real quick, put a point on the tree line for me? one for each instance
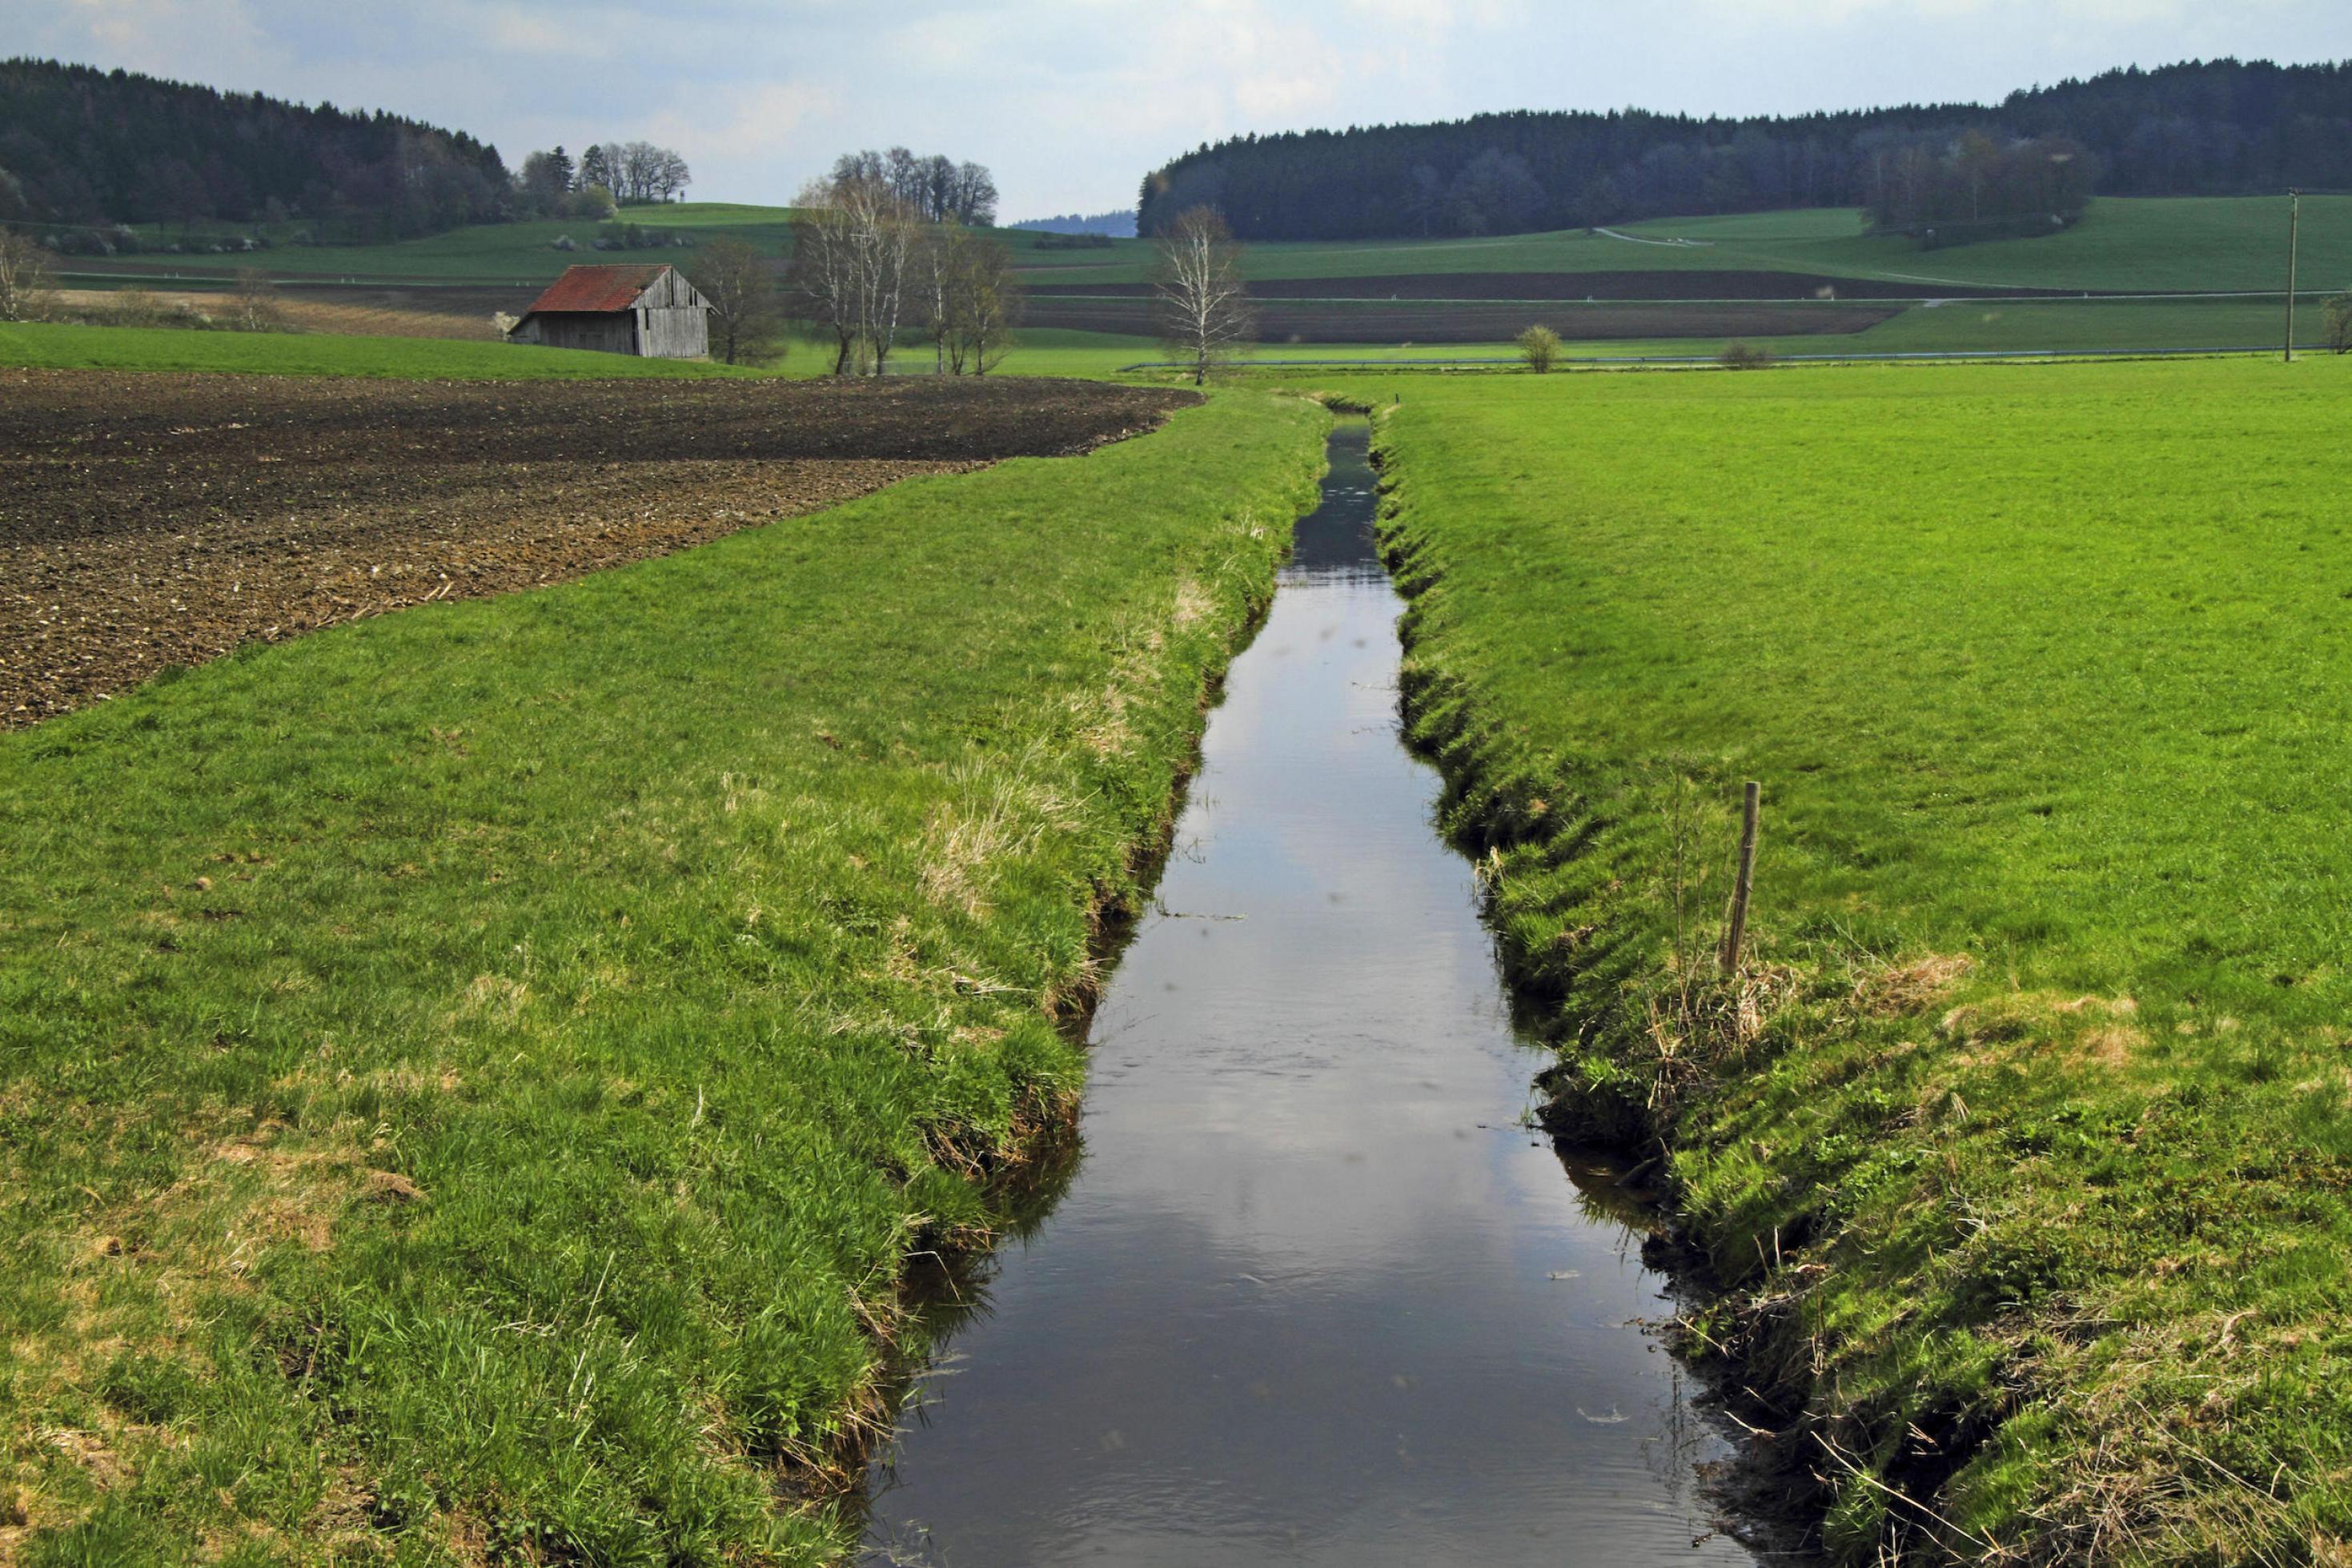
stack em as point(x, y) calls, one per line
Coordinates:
point(2217, 128)
point(608, 175)
point(880, 254)
point(82, 149)
point(85, 152)
point(1119, 225)
point(1976, 187)
point(936, 189)
point(875, 257)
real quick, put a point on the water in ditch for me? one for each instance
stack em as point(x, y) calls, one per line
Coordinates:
point(1313, 1294)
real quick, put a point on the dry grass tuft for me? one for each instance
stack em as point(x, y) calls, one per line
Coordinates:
point(1192, 602)
point(2112, 1045)
point(1000, 816)
point(2118, 1007)
point(1910, 988)
point(391, 1187)
point(495, 996)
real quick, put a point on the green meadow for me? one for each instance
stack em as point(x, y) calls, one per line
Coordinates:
point(64, 346)
point(2122, 244)
point(2021, 1144)
point(2215, 245)
point(1037, 352)
point(470, 1081)
point(519, 253)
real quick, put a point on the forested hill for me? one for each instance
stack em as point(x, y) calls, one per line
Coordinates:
point(2219, 127)
point(1118, 225)
point(81, 146)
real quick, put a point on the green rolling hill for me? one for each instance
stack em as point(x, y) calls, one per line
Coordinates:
point(1621, 289)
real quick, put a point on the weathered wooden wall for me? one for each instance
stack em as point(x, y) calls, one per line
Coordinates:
point(675, 323)
point(675, 335)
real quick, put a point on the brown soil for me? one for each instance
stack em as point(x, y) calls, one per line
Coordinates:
point(153, 521)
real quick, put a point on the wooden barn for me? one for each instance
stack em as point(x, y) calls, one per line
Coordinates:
point(645, 310)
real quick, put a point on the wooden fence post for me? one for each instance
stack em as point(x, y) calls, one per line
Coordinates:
point(1736, 922)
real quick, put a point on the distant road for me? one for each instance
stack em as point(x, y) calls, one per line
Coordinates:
point(1645, 239)
point(1891, 356)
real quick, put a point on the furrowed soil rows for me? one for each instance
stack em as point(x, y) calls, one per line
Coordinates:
point(148, 521)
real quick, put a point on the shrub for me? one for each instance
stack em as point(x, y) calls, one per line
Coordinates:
point(2339, 323)
point(1539, 347)
point(1745, 357)
point(256, 303)
point(594, 202)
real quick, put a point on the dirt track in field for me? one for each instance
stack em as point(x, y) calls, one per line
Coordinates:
point(154, 521)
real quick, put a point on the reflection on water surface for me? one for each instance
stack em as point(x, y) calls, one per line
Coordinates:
point(1314, 1295)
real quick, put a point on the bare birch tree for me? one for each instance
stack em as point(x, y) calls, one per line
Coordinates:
point(990, 305)
point(1205, 309)
point(854, 246)
point(819, 279)
point(940, 266)
point(969, 298)
point(24, 278)
point(882, 231)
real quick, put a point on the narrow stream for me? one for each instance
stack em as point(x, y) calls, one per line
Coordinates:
point(1314, 1295)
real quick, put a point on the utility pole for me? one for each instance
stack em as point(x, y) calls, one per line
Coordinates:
point(2294, 237)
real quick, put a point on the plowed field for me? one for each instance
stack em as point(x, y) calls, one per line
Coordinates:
point(155, 521)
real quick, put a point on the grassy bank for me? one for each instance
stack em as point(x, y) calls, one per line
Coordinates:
point(2021, 1142)
point(469, 1080)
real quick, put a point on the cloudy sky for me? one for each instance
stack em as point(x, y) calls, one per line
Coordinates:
point(1071, 101)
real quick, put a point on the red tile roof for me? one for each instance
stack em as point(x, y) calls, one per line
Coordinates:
point(598, 291)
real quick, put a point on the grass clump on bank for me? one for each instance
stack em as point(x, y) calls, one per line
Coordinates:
point(2021, 1144)
point(469, 1080)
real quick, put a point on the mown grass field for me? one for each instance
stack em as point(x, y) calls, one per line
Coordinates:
point(470, 1080)
point(2022, 1142)
point(2123, 243)
point(59, 346)
point(1974, 326)
point(1037, 352)
point(519, 253)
